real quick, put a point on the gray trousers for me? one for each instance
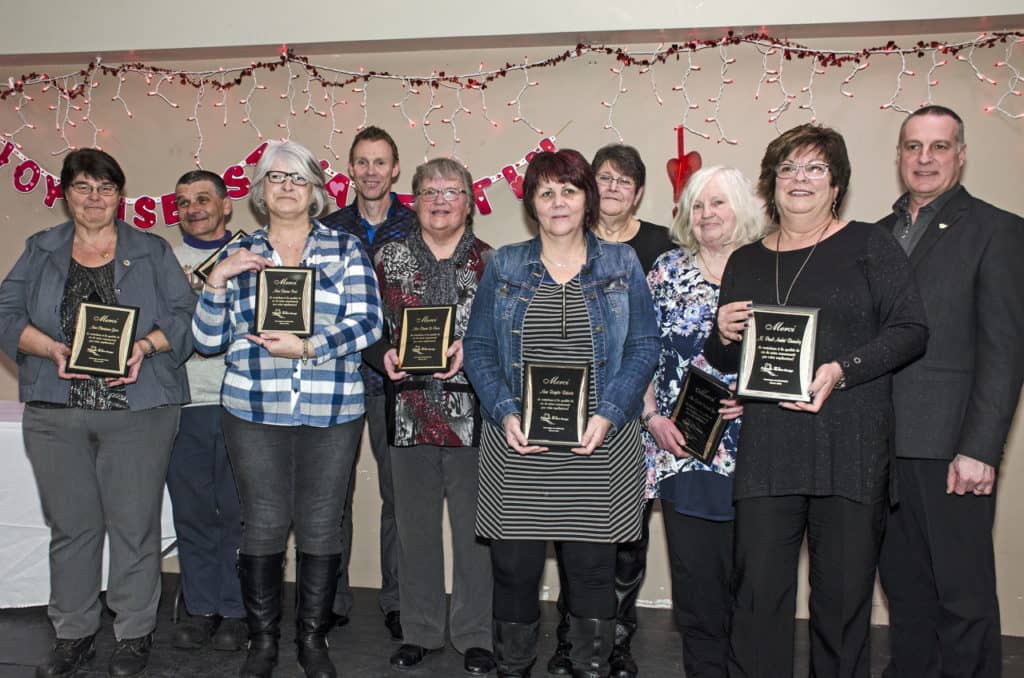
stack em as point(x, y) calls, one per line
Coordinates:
point(376, 425)
point(424, 476)
point(101, 474)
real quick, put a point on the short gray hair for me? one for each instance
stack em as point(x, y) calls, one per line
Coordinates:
point(750, 222)
point(297, 158)
point(446, 168)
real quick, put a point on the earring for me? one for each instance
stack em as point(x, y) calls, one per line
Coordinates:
point(835, 214)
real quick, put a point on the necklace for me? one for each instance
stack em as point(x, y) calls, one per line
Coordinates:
point(104, 253)
point(558, 264)
point(710, 274)
point(778, 245)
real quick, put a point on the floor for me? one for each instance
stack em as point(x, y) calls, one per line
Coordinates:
point(361, 649)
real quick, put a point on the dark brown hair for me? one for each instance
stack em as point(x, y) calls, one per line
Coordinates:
point(565, 166)
point(94, 163)
point(625, 159)
point(826, 141)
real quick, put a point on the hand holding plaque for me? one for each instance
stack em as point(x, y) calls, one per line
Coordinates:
point(427, 334)
point(777, 355)
point(555, 403)
point(696, 413)
point(104, 335)
point(284, 300)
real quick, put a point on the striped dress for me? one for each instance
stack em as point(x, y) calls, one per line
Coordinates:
point(558, 495)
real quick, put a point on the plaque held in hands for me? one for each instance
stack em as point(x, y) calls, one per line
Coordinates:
point(284, 300)
point(203, 270)
point(777, 355)
point(104, 335)
point(696, 413)
point(426, 337)
point(555, 403)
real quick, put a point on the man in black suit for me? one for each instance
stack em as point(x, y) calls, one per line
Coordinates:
point(954, 407)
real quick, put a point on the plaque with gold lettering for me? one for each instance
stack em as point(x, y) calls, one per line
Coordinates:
point(555, 403)
point(104, 335)
point(696, 413)
point(203, 269)
point(425, 339)
point(777, 354)
point(284, 300)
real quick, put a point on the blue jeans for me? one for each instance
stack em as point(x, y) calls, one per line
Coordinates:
point(291, 475)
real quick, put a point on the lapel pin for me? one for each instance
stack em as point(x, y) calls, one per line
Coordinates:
point(943, 227)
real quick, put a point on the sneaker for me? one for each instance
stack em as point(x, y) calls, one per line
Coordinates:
point(130, 657)
point(194, 631)
point(231, 635)
point(67, 655)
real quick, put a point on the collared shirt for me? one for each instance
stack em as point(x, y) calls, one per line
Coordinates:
point(327, 390)
point(399, 221)
point(908, 231)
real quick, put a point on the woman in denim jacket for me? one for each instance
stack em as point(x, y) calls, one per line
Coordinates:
point(568, 298)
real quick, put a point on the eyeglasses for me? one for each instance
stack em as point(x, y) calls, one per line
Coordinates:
point(448, 194)
point(609, 180)
point(279, 178)
point(85, 188)
point(812, 170)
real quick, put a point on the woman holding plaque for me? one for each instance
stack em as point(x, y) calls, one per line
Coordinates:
point(820, 466)
point(717, 214)
point(292, 396)
point(99, 446)
point(428, 281)
point(571, 316)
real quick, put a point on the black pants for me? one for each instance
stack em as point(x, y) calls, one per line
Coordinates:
point(843, 540)
point(700, 557)
point(519, 564)
point(938, 570)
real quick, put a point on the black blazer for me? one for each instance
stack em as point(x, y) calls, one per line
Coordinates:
point(960, 396)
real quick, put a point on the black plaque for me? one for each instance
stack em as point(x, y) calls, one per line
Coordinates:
point(284, 300)
point(104, 336)
point(696, 413)
point(426, 337)
point(203, 269)
point(777, 357)
point(555, 403)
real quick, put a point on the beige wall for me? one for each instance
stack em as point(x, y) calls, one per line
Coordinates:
point(157, 144)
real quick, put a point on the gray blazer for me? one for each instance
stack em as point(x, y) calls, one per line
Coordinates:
point(146, 275)
point(960, 396)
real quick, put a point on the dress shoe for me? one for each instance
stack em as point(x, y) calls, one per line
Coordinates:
point(130, 657)
point(560, 664)
point(66, 656)
point(339, 620)
point(408, 656)
point(194, 631)
point(622, 663)
point(231, 635)
point(393, 620)
point(479, 662)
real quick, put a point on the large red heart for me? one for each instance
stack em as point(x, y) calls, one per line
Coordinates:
point(680, 170)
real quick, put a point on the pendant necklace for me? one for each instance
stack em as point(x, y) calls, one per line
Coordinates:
point(778, 245)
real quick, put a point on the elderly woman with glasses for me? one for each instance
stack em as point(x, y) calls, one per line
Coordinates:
point(434, 424)
point(99, 446)
point(293, 406)
point(818, 467)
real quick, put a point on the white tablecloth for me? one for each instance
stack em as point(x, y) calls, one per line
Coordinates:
point(24, 536)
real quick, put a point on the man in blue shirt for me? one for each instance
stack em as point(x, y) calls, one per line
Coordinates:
point(376, 217)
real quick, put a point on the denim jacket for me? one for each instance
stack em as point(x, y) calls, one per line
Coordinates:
point(622, 324)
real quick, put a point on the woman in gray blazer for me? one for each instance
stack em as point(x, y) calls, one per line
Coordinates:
point(99, 446)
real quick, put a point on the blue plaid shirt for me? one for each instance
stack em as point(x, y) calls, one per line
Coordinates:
point(327, 390)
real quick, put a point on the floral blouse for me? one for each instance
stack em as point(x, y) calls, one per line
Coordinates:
point(685, 304)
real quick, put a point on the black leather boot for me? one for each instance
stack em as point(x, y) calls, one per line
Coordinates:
point(560, 664)
point(261, 592)
point(515, 648)
point(316, 583)
point(592, 642)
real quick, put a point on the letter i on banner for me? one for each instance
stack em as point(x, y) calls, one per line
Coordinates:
point(483, 205)
point(337, 188)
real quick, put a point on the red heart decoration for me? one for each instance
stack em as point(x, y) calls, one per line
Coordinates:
point(680, 170)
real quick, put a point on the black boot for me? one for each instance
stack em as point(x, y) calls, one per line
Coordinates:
point(261, 592)
point(592, 642)
point(515, 648)
point(622, 663)
point(316, 582)
point(560, 664)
